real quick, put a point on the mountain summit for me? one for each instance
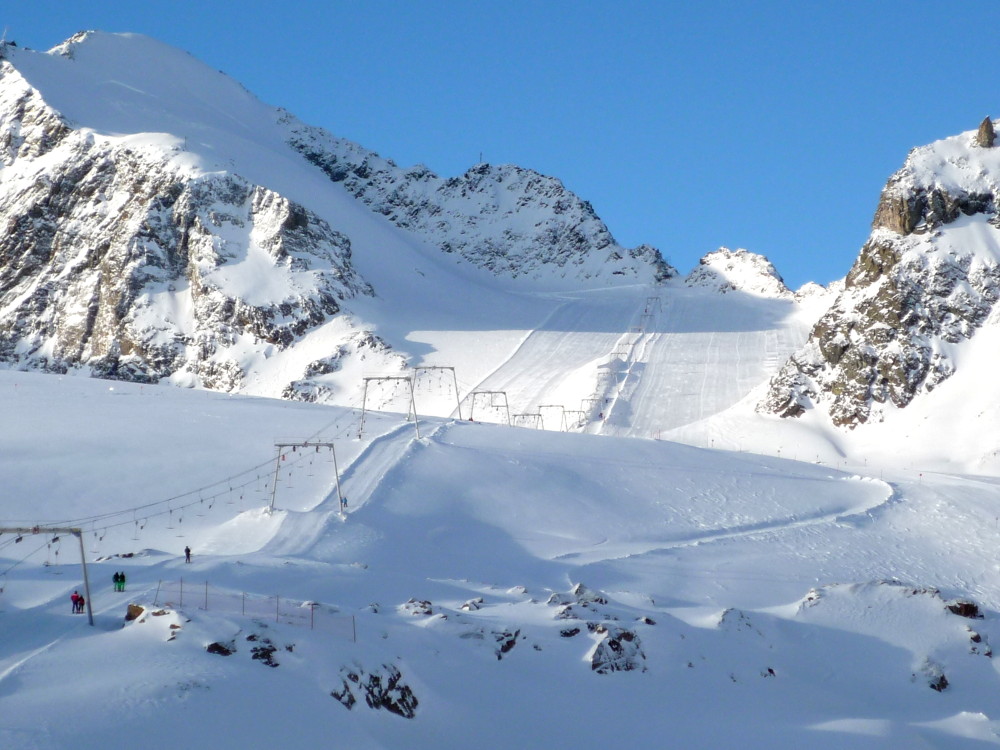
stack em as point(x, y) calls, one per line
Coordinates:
point(161, 223)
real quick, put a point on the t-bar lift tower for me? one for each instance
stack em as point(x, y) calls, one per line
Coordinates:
point(281, 447)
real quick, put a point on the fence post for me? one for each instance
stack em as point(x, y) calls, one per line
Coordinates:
point(156, 596)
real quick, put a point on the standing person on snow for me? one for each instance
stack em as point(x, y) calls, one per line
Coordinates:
point(121, 581)
point(75, 598)
point(115, 579)
point(187, 554)
point(79, 605)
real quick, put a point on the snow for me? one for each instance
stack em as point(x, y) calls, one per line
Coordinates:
point(784, 583)
point(720, 549)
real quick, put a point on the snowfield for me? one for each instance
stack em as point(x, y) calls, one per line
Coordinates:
point(586, 538)
point(750, 600)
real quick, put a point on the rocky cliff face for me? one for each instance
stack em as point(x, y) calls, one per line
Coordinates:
point(512, 221)
point(113, 261)
point(925, 281)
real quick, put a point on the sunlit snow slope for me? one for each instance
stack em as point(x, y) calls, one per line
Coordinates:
point(482, 572)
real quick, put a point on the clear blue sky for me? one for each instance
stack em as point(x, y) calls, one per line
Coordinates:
point(688, 125)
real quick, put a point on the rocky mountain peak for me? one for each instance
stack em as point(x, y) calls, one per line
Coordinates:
point(512, 221)
point(926, 279)
point(728, 270)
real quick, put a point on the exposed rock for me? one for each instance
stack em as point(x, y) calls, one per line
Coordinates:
point(736, 620)
point(728, 270)
point(473, 604)
point(912, 292)
point(108, 238)
point(587, 596)
point(417, 607)
point(121, 260)
point(382, 688)
point(566, 613)
point(506, 640)
point(511, 221)
point(134, 612)
point(222, 649)
point(940, 683)
point(986, 136)
point(619, 651)
point(264, 653)
point(569, 632)
point(965, 608)
point(934, 675)
point(979, 644)
point(345, 695)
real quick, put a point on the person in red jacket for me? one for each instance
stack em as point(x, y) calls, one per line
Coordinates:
point(75, 598)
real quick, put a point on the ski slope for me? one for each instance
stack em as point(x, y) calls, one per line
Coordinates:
point(775, 603)
point(649, 358)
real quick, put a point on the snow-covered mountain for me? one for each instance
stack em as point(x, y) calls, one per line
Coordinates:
point(716, 576)
point(925, 283)
point(160, 223)
point(740, 270)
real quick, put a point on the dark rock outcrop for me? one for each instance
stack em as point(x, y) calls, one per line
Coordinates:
point(108, 243)
point(986, 136)
point(965, 608)
point(222, 649)
point(134, 612)
point(382, 688)
point(511, 221)
point(619, 651)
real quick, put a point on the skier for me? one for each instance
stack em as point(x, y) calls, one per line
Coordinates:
point(121, 581)
point(75, 598)
point(79, 605)
point(187, 554)
point(116, 580)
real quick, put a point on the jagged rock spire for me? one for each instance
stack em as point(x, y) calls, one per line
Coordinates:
point(986, 135)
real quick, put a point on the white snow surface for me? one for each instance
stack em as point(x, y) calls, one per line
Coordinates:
point(783, 584)
point(774, 602)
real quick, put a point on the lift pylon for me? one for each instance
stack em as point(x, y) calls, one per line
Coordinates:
point(78, 533)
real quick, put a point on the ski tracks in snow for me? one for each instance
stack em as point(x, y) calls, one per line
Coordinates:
point(854, 517)
point(300, 530)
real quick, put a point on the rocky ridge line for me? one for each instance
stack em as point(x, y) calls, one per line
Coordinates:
point(919, 286)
